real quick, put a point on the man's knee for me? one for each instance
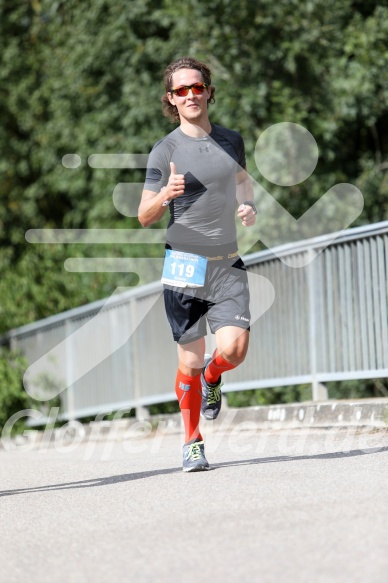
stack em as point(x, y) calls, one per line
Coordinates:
point(190, 356)
point(235, 356)
point(236, 350)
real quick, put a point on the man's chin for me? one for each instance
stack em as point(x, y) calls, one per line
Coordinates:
point(194, 109)
point(194, 114)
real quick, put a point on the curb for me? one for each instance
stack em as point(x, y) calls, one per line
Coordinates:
point(360, 412)
point(371, 413)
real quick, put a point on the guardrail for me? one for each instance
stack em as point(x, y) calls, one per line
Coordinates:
point(328, 321)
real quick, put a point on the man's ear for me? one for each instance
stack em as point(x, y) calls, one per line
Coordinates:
point(170, 97)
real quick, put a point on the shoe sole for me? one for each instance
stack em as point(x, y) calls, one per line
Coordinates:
point(209, 418)
point(202, 469)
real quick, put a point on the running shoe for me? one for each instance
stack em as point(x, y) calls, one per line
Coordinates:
point(194, 457)
point(211, 394)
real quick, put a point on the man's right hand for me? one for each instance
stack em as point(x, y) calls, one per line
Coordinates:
point(150, 209)
point(176, 183)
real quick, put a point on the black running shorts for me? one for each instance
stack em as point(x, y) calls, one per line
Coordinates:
point(223, 301)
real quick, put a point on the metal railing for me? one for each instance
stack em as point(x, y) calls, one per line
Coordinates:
point(328, 321)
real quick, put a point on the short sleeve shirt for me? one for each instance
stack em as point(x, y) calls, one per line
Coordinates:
point(205, 214)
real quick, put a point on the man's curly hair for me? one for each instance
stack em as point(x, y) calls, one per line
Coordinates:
point(170, 110)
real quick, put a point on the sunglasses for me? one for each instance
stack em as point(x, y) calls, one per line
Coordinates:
point(197, 89)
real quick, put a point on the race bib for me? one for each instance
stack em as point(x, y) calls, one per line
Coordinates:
point(182, 269)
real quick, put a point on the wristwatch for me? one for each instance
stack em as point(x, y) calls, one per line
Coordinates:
point(252, 205)
point(167, 201)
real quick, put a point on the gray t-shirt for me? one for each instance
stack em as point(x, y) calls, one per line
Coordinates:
point(204, 215)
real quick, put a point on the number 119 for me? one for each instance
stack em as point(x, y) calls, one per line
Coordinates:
point(188, 270)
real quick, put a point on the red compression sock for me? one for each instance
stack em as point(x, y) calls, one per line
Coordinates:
point(216, 367)
point(189, 393)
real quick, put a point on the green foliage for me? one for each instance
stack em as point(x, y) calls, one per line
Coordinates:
point(356, 389)
point(273, 396)
point(164, 408)
point(13, 398)
point(86, 77)
point(35, 286)
point(372, 388)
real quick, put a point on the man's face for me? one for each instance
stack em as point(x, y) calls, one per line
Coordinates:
point(192, 107)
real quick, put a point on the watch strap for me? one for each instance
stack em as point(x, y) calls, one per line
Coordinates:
point(252, 205)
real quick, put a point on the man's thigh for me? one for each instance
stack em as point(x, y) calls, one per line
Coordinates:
point(185, 314)
point(230, 305)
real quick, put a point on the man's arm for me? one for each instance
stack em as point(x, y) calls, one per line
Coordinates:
point(151, 208)
point(153, 204)
point(244, 193)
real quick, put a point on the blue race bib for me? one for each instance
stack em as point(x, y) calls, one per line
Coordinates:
point(182, 269)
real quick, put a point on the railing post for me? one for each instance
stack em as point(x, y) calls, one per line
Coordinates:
point(69, 360)
point(141, 411)
point(319, 391)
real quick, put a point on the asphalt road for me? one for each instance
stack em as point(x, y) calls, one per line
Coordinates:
point(278, 506)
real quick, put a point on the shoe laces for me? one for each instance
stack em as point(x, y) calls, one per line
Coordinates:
point(194, 451)
point(214, 395)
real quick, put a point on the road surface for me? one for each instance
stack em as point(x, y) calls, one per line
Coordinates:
point(278, 506)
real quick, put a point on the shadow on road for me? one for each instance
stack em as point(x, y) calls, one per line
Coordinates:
point(163, 472)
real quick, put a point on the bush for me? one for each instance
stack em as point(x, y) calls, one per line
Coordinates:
point(13, 397)
point(358, 389)
point(272, 396)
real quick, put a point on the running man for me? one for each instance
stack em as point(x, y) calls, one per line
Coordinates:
point(197, 172)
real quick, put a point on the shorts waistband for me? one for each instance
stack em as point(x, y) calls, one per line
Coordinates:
point(219, 252)
point(221, 257)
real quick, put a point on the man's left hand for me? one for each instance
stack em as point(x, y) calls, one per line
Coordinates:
point(247, 215)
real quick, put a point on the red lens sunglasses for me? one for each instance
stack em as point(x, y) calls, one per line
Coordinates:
point(197, 89)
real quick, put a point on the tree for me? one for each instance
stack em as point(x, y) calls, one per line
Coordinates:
point(85, 77)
